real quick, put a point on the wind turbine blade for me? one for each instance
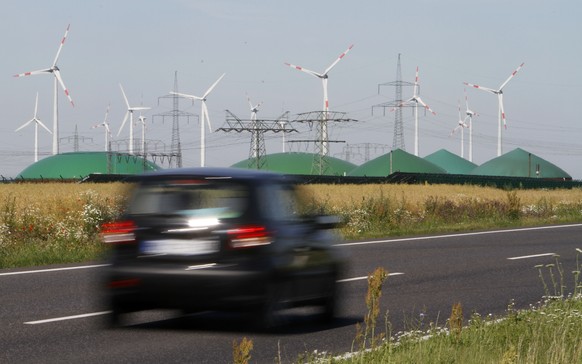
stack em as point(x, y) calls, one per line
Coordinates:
point(44, 126)
point(24, 125)
point(123, 122)
point(31, 73)
point(205, 112)
point(36, 105)
point(511, 76)
point(192, 97)
point(213, 86)
point(124, 97)
point(459, 109)
point(61, 45)
point(403, 103)
point(137, 108)
point(106, 114)
point(59, 78)
point(425, 105)
point(313, 73)
point(482, 88)
point(338, 59)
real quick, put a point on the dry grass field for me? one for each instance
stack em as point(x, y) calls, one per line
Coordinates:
point(416, 195)
point(45, 223)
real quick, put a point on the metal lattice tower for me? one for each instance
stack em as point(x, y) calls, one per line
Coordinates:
point(175, 114)
point(363, 151)
point(396, 106)
point(257, 128)
point(75, 138)
point(321, 118)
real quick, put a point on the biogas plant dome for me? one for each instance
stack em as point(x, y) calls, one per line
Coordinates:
point(78, 165)
point(299, 163)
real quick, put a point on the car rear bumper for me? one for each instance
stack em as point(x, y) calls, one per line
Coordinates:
point(207, 287)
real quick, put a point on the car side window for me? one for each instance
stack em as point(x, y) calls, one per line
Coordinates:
point(279, 202)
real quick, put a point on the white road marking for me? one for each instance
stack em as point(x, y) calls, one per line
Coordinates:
point(54, 269)
point(458, 235)
point(531, 256)
point(74, 317)
point(364, 277)
point(67, 318)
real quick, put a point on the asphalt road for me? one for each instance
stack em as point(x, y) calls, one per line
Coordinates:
point(54, 314)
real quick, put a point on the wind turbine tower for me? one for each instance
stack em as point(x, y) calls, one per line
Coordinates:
point(461, 125)
point(55, 71)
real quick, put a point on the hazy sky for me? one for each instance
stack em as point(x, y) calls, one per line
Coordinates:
point(140, 44)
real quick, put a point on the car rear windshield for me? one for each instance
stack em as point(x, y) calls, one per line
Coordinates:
point(222, 199)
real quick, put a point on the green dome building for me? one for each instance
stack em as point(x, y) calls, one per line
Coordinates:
point(521, 163)
point(78, 165)
point(395, 161)
point(299, 163)
point(450, 162)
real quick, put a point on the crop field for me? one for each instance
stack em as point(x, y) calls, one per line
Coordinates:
point(50, 223)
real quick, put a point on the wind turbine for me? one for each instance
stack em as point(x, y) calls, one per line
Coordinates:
point(129, 112)
point(461, 125)
point(415, 100)
point(37, 122)
point(105, 124)
point(499, 93)
point(54, 69)
point(255, 133)
point(203, 115)
point(323, 76)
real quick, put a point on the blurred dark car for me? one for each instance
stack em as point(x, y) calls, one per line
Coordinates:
point(220, 239)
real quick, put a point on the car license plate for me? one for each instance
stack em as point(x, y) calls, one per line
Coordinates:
point(179, 246)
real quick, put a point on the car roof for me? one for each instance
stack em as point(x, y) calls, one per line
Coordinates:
point(209, 172)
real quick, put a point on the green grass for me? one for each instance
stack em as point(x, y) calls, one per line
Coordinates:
point(548, 333)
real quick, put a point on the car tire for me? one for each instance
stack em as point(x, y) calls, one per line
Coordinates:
point(329, 303)
point(268, 315)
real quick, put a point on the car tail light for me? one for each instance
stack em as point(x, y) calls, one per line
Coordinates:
point(124, 283)
point(248, 236)
point(118, 232)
